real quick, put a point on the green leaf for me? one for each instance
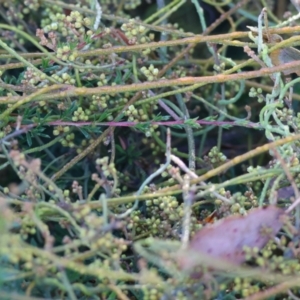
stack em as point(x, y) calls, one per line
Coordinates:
point(85, 133)
point(178, 126)
point(51, 68)
point(112, 296)
point(118, 78)
point(67, 114)
point(104, 115)
point(192, 123)
point(87, 39)
point(159, 118)
point(210, 118)
point(227, 126)
point(127, 75)
point(28, 138)
point(142, 127)
point(73, 45)
point(72, 275)
point(45, 63)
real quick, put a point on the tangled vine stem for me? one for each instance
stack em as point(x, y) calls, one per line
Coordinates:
point(175, 189)
point(196, 82)
point(72, 91)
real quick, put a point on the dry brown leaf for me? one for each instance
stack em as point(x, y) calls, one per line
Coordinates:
point(227, 238)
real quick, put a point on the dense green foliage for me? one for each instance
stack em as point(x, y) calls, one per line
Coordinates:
point(126, 127)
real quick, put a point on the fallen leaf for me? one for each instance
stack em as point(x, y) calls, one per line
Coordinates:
point(226, 238)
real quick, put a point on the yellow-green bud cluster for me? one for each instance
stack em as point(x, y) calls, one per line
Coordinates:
point(67, 24)
point(256, 93)
point(99, 102)
point(216, 157)
point(68, 140)
point(102, 80)
point(60, 130)
point(109, 170)
point(64, 78)
point(133, 30)
point(81, 115)
point(150, 72)
point(31, 77)
point(285, 115)
point(65, 53)
point(136, 34)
